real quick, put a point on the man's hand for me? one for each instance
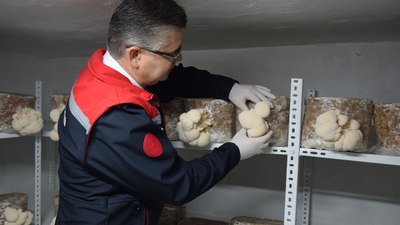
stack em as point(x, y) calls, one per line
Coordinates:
point(241, 93)
point(248, 147)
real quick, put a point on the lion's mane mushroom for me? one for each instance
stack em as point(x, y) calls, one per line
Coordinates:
point(337, 131)
point(253, 120)
point(27, 121)
point(192, 127)
point(17, 217)
point(54, 116)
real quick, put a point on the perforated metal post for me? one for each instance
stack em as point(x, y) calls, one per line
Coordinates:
point(292, 165)
point(307, 180)
point(38, 155)
point(305, 219)
point(50, 161)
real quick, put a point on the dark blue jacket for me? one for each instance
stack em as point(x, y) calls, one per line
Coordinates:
point(118, 167)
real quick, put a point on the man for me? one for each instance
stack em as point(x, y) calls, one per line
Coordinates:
point(117, 165)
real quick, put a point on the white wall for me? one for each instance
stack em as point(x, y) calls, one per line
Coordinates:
point(19, 73)
point(361, 70)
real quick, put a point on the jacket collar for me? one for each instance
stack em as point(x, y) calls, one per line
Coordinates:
point(111, 76)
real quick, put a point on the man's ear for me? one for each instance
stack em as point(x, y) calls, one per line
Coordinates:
point(133, 54)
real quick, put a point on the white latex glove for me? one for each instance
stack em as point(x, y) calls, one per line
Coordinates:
point(241, 93)
point(248, 147)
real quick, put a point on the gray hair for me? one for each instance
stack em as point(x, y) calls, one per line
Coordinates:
point(144, 23)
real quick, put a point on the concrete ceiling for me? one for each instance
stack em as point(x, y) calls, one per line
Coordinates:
point(64, 28)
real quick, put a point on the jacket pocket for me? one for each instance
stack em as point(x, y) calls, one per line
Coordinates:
point(126, 211)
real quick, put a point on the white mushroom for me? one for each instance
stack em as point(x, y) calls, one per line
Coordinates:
point(53, 221)
point(258, 130)
point(342, 119)
point(27, 121)
point(354, 125)
point(204, 139)
point(54, 135)
point(192, 127)
point(191, 135)
point(339, 144)
point(336, 131)
point(187, 124)
point(253, 120)
point(17, 217)
point(11, 214)
point(262, 109)
point(327, 128)
point(194, 115)
point(249, 119)
point(327, 117)
point(55, 114)
point(352, 139)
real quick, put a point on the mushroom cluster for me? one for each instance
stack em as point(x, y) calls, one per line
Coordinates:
point(54, 116)
point(337, 131)
point(254, 120)
point(192, 127)
point(17, 217)
point(27, 121)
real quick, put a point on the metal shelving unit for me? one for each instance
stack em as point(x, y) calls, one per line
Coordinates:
point(38, 156)
point(294, 152)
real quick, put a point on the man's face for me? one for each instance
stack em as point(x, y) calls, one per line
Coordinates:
point(156, 65)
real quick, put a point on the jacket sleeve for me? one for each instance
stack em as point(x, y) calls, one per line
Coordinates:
point(116, 154)
point(190, 82)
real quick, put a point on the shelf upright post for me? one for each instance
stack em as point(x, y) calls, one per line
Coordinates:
point(38, 156)
point(306, 206)
point(292, 165)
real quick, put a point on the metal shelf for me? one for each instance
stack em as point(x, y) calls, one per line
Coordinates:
point(276, 151)
point(7, 135)
point(351, 156)
point(272, 150)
